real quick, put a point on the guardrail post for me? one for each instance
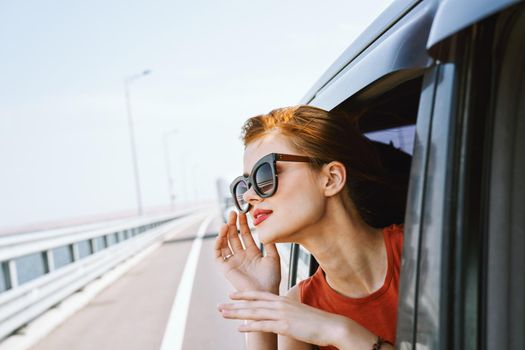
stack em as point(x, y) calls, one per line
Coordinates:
point(76, 253)
point(13, 275)
point(50, 260)
point(18, 308)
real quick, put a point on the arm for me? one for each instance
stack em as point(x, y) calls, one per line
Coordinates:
point(256, 278)
point(246, 268)
point(261, 341)
point(287, 343)
point(267, 312)
point(269, 340)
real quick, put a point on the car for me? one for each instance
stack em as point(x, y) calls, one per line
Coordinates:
point(443, 83)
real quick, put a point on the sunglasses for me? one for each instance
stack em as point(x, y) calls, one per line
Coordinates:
point(263, 178)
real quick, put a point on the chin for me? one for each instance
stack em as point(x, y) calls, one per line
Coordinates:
point(264, 236)
point(277, 229)
point(268, 235)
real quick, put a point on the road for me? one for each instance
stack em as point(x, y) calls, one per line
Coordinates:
point(133, 312)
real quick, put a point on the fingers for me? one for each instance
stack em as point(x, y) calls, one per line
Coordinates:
point(264, 313)
point(261, 326)
point(221, 244)
point(254, 295)
point(271, 250)
point(255, 314)
point(251, 310)
point(247, 305)
point(246, 233)
point(233, 236)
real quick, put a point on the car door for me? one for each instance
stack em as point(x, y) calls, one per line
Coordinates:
point(467, 291)
point(449, 77)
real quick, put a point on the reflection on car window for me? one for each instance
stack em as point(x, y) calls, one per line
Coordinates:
point(402, 137)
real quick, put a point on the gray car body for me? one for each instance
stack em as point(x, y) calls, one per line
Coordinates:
point(410, 39)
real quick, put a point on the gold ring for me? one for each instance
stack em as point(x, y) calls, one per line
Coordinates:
point(227, 257)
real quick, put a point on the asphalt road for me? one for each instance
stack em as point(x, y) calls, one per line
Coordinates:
point(133, 312)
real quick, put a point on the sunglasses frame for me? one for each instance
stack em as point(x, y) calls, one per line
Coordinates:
point(271, 159)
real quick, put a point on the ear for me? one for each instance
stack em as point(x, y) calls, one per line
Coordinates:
point(334, 178)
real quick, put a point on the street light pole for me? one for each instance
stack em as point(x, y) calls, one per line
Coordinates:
point(167, 157)
point(127, 81)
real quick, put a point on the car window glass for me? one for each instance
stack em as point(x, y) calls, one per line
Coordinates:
point(401, 137)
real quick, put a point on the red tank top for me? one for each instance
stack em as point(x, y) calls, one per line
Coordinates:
point(376, 312)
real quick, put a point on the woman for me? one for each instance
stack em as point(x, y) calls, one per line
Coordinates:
point(313, 180)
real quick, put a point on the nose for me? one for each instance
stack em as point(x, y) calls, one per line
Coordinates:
point(251, 196)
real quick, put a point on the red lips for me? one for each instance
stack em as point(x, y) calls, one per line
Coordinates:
point(259, 215)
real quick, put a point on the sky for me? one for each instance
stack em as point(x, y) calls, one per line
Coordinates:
point(64, 137)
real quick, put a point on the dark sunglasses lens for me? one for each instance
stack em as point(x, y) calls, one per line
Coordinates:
point(240, 190)
point(264, 178)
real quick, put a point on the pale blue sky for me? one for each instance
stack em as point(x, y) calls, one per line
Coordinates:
point(64, 145)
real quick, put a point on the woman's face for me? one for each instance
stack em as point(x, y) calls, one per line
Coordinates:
point(298, 202)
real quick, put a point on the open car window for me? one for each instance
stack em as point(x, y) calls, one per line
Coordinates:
point(388, 120)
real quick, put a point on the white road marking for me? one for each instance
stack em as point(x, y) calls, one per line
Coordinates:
point(174, 333)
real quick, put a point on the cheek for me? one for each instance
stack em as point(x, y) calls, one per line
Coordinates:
point(300, 193)
point(300, 197)
point(305, 209)
point(295, 207)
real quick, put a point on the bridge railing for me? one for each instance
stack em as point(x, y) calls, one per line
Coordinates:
point(40, 269)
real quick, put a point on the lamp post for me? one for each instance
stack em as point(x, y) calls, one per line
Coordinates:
point(167, 158)
point(127, 81)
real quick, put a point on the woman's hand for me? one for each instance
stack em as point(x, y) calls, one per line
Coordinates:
point(266, 312)
point(245, 267)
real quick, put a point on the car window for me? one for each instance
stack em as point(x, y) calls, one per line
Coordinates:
point(401, 138)
point(389, 122)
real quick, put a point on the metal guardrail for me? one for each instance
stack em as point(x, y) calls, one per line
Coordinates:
point(57, 263)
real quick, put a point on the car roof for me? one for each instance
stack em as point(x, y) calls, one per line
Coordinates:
point(372, 33)
point(438, 20)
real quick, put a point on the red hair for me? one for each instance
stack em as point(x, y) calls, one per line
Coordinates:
point(334, 136)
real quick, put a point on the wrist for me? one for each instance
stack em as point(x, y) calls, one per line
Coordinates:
point(351, 335)
point(261, 289)
point(270, 289)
